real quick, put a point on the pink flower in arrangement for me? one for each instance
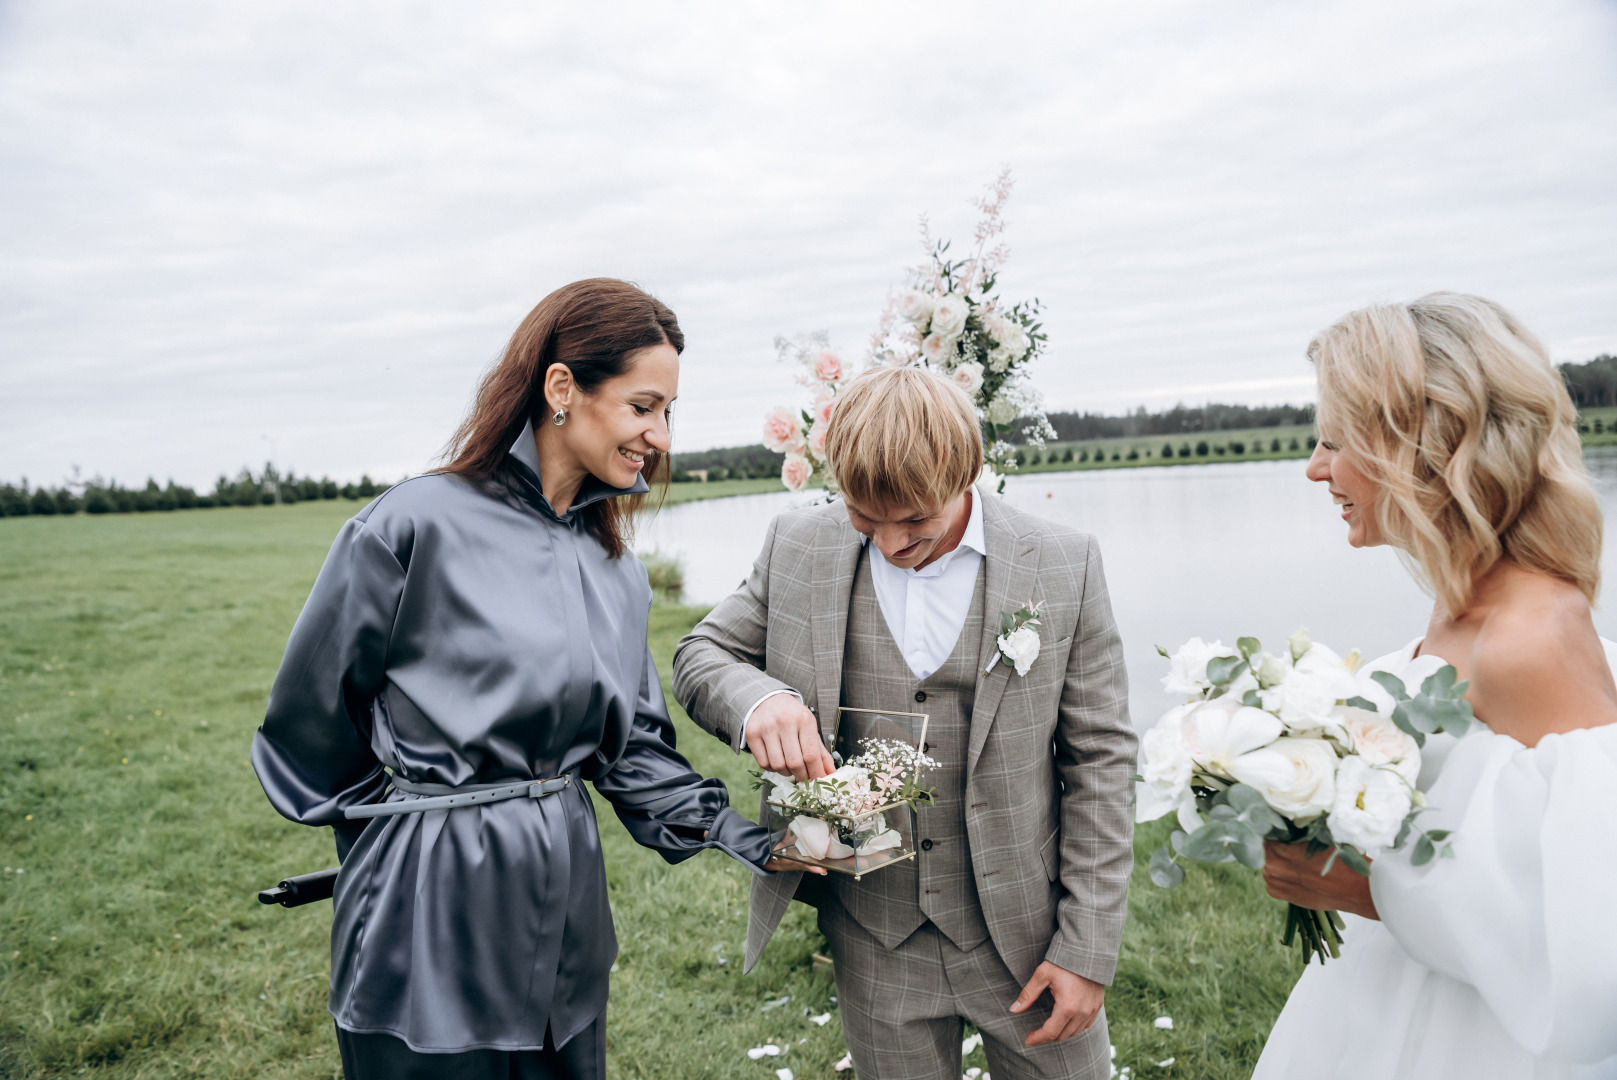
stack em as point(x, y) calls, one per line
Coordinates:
point(824, 406)
point(796, 472)
point(816, 439)
point(828, 367)
point(782, 431)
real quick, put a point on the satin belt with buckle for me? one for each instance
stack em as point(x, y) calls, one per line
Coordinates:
point(445, 797)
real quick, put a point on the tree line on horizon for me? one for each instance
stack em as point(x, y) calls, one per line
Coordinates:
point(1591, 384)
point(98, 496)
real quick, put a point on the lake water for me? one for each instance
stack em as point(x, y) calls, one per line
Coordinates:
point(1216, 551)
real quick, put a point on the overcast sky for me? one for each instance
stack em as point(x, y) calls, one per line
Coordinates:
point(232, 231)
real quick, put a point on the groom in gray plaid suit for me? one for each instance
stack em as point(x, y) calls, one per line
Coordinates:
point(1011, 914)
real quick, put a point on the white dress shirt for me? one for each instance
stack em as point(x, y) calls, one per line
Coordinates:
point(925, 609)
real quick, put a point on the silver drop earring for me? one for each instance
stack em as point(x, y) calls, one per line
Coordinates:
point(560, 418)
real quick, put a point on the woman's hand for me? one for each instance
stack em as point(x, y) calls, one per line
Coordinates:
point(1291, 875)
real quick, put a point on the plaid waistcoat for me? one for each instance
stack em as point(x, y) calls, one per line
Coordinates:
point(938, 884)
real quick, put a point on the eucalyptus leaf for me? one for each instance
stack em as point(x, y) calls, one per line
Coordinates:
point(1354, 858)
point(1249, 646)
point(1223, 670)
point(1163, 652)
point(1439, 834)
point(1177, 840)
point(1252, 699)
point(1392, 684)
point(1253, 810)
point(1165, 873)
point(1424, 850)
point(1362, 703)
point(1212, 842)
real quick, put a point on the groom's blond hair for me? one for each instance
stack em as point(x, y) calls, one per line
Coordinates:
point(904, 437)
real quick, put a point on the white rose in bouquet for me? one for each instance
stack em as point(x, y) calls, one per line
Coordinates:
point(1296, 776)
point(1308, 693)
point(1379, 741)
point(1003, 411)
point(1223, 731)
point(1370, 806)
point(1187, 670)
point(915, 307)
point(949, 315)
point(969, 377)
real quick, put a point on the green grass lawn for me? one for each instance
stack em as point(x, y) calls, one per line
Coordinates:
point(136, 653)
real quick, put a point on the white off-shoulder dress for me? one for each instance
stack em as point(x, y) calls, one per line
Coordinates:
point(1496, 964)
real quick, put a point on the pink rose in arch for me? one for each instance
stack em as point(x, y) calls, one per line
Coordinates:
point(796, 472)
point(782, 432)
point(816, 439)
point(828, 367)
point(824, 406)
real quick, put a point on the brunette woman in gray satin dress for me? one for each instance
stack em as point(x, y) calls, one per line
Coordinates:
point(477, 637)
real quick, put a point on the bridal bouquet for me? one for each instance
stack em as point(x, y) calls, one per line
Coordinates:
point(844, 815)
point(1305, 748)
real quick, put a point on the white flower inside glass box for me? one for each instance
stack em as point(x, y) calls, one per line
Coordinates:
point(861, 817)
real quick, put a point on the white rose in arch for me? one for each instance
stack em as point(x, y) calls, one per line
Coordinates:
point(1370, 806)
point(936, 348)
point(1020, 647)
point(949, 315)
point(915, 307)
point(1296, 776)
point(969, 377)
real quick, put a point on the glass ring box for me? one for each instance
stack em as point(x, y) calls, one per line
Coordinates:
point(861, 817)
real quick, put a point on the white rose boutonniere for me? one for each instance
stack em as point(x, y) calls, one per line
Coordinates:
point(1018, 641)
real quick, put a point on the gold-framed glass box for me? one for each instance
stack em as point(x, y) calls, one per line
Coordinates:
point(866, 831)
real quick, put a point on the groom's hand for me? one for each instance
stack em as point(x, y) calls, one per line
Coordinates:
point(785, 738)
point(1077, 1003)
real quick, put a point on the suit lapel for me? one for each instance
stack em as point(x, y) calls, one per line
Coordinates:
point(836, 557)
point(1011, 565)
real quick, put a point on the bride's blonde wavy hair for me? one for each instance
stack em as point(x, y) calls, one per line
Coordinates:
point(1453, 407)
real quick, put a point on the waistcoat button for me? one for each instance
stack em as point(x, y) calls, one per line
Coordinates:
point(926, 845)
point(920, 695)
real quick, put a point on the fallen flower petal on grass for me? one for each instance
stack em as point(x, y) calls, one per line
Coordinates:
point(767, 1050)
point(845, 1064)
point(783, 1074)
point(971, 1044)
point(1164, 1022)
point(777, 1003)
point(1165, 1064)
point(822, 1019)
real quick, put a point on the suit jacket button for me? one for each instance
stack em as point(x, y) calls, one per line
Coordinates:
point(920, 695)
point(926, 845)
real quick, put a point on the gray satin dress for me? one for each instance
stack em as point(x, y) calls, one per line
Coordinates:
point(459, 635)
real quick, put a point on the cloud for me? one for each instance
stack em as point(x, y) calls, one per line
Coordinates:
point(305, 230)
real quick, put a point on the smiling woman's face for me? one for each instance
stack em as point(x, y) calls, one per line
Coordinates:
point(1353, 491)
point(609, 432)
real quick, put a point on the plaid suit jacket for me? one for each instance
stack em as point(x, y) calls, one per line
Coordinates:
point(1050, 753)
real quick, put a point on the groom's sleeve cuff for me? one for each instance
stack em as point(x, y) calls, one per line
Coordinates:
point(741, 732)
point(1092, 964)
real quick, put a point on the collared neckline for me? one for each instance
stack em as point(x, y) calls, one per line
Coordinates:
point(973, 539)
point(525, 452)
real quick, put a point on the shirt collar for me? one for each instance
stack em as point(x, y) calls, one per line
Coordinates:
point(525, 452)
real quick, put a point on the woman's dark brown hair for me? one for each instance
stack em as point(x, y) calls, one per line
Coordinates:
point(591, 327)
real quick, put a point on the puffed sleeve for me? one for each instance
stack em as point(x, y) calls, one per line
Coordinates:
point(1522, 912)
point(663, 802)
point(313, 754)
